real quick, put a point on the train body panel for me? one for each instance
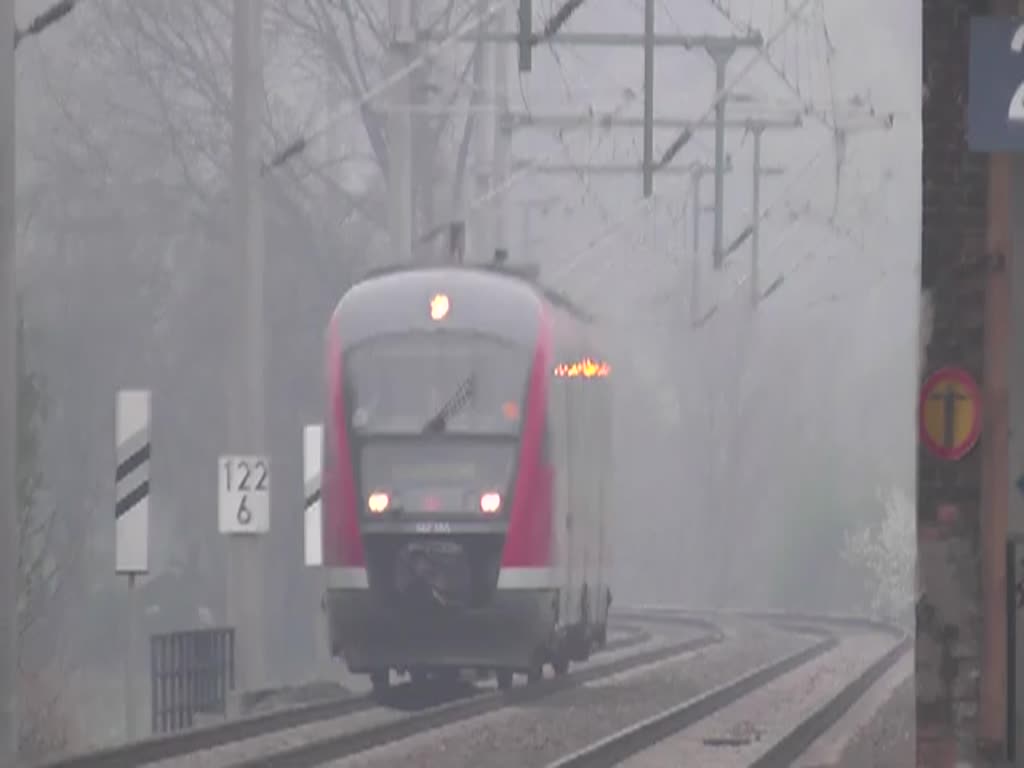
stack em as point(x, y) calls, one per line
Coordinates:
point(466, 464)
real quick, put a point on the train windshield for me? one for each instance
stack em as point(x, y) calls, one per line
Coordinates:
point(440, 382)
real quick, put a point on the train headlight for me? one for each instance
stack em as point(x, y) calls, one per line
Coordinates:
point(490, 502)
point(378, 502)
point(439, 306)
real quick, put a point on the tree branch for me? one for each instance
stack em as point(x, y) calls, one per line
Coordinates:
point(47, 18)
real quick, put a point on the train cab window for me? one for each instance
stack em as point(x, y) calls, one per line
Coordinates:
point(421, 383)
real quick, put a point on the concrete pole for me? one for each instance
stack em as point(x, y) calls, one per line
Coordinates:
point(695, 180)
point(721, 59)
point(245, 591)
point(9, 576)
point(400, 135)
point(501, 134)
point(481, 240)
point(695, 249)
point(648, 182)
point(755, 225)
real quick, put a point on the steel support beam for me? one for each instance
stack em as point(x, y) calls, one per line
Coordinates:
point(619, 40)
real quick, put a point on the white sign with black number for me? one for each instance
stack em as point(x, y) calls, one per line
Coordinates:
point(243, 499)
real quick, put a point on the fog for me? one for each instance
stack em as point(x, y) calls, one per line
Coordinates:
point(764, 455)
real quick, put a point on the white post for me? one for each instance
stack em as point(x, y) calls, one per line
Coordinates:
point(132, 441)
point(9, 576)
point(130, 664)
point(312, 468)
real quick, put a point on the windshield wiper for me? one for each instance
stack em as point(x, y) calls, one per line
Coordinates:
point(462, 395)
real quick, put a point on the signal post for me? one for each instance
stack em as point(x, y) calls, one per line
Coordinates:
point(969, 660)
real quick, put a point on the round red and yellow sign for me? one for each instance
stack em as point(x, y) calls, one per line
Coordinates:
point(949, 413)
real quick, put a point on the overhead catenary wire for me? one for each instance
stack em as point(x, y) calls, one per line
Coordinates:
point(558, 19)
point(602, 265)
point(469, 22)
point(780, 197)
point(639, 206)
point(673, 150)
point(721, 95)
point(797, 263)
point(667, 157)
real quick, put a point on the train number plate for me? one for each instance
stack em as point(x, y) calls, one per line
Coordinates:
point(433, 528)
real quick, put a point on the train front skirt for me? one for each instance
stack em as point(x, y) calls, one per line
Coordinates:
point(514, 630)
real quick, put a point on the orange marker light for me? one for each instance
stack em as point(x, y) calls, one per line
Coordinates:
point(511, 410)
point(439, 306)
point(585, 369)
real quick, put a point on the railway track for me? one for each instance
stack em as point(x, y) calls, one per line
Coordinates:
point(179, 745)
point(643, 736)
point(242, 743)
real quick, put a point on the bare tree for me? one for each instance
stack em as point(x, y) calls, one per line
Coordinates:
point(46, 560)
point(350, 40)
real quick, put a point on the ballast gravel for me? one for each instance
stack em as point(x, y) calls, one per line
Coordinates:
point(541, 732)
point(270, 743)
point(738, 734)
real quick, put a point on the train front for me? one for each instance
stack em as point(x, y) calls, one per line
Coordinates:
point(437, 497)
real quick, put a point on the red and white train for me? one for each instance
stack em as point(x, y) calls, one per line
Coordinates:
point(467, 477)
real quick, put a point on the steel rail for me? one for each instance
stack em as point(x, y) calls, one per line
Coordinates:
point(790, 747)
point(194, 740)
point(339, 746)
point(645, 734)
point(640, 736)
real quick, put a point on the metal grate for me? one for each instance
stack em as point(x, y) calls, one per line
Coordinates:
point(190, 673)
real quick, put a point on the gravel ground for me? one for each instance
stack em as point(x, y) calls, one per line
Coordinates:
point(229, 754)
point(735, 736)
point(888, 740)
point(536, 734)
point(226, 755)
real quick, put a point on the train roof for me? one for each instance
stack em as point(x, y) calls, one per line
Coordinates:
point(528, 274)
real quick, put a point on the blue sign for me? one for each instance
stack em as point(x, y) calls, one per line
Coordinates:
point(995, 95)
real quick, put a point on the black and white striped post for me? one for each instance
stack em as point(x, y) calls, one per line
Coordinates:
point(131, 519)
point(312, 476)
point(312, 468)
point(131, 505)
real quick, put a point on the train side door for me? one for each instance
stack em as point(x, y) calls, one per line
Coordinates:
point(559, 433)
point(598, 471)
point(580, 526)
point(602, 438)
point(588, 480)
